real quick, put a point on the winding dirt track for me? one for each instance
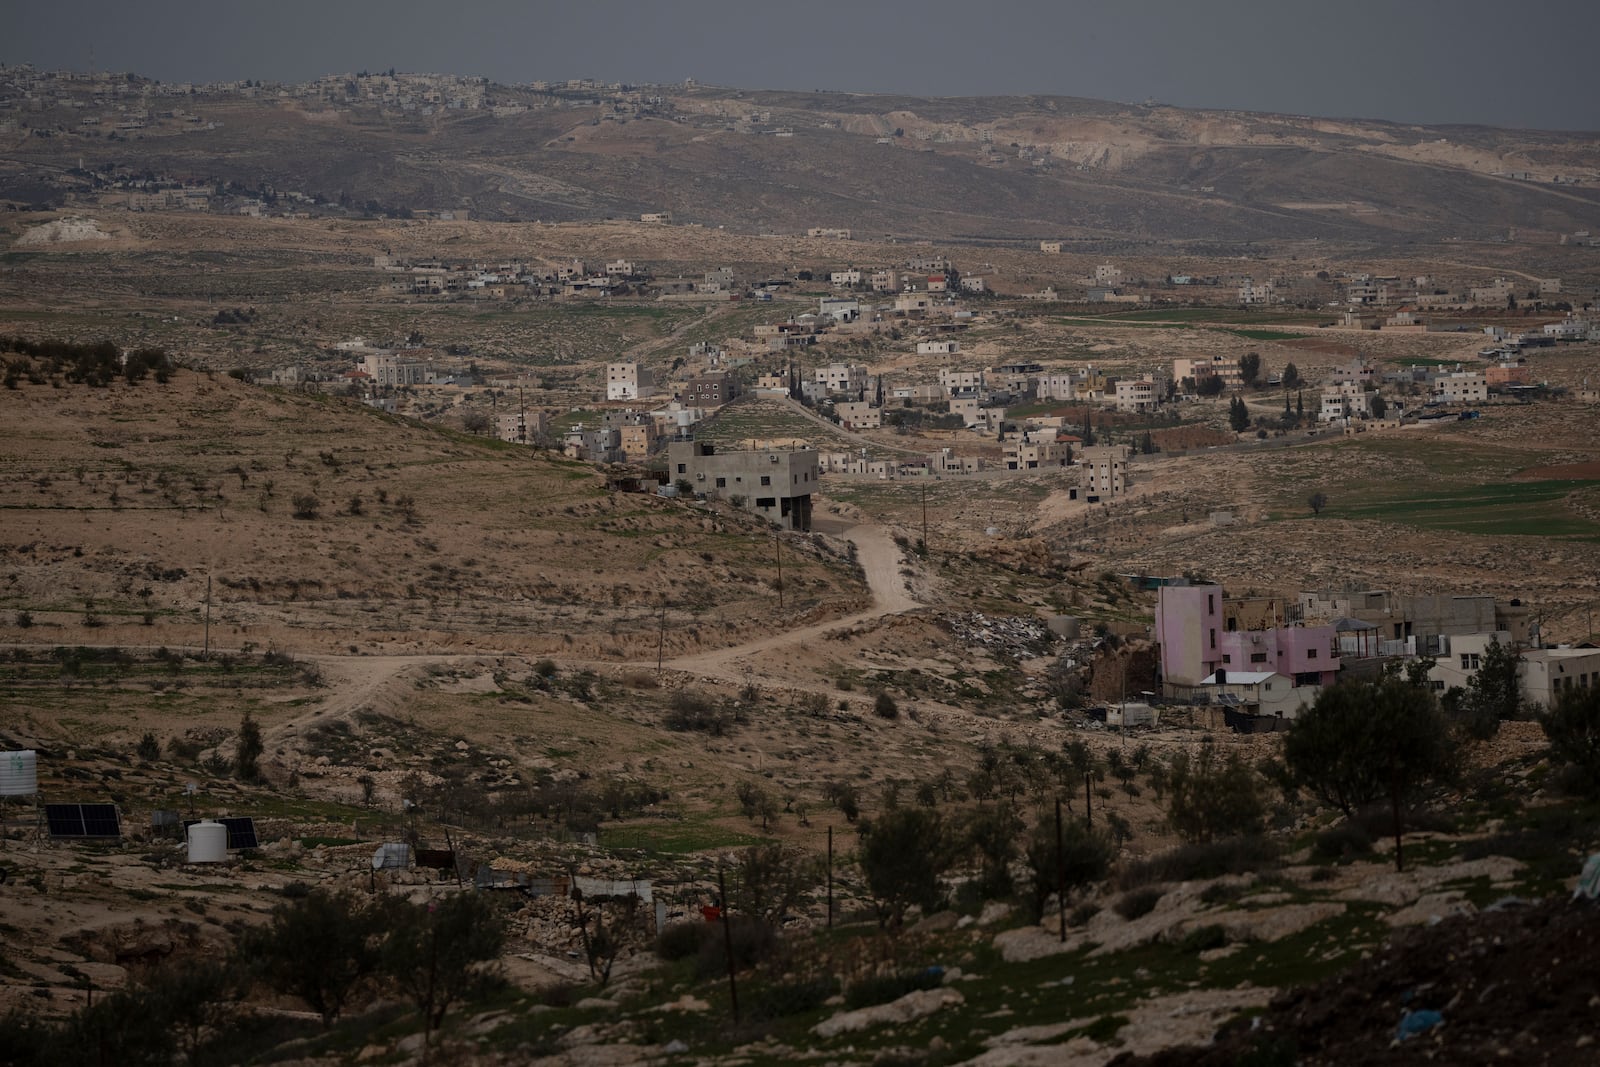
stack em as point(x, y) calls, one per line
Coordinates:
point(879, 557)
point(357, 682)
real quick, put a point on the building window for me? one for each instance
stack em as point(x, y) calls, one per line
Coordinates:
point(722, 483)
point(1227, 658)
point(1311, 653)
point(766, 479)
point(1211, 604)
point(766, 502)
point(683, 468)
point(1213, 639)
point(1258, 657)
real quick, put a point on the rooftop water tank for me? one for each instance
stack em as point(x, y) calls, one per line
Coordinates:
point(208, 842)
point(19, 773)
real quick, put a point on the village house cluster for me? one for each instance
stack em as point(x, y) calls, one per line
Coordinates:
point(922, 304)
point(1264, 659)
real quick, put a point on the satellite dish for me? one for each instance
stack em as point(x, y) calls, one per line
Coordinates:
point(190, 789)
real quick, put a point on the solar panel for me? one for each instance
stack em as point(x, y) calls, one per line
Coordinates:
point(82, 820)
point(241, 831)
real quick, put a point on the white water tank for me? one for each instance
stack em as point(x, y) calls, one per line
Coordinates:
point(208, 842)
point(19, 773)
point(395, 855)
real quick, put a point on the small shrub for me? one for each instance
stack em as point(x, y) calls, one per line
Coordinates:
point(1378, 821)
point(1139, 902)
point(1202, 939)
point(753, 942)
point(306, 506)
point(884, 707)
point(1343, 841)
point(682, 940)
point(690, 710)
point(149, 747)
point(557, 995)
point(545, 668)
point(1221, 893)
point(884, 988)
point(183, 748)
point(793, 997)
point(24, 619)
point(1199, 862)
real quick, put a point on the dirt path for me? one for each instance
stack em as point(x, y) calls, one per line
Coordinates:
point(357, 682)
point(879, 557)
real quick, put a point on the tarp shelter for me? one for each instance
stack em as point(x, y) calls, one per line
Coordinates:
point(1357, 638)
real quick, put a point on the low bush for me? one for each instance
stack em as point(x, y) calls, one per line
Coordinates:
point(886, 987)
point(792, 997)
point(1342, 842)
point(682, 940)
point(884, 706)
point(1221, 893)
point(1139, 902)
point(1198, 862)
point(1378, 821)
point(753, 942)
point(689, 710)
point(1202, 938)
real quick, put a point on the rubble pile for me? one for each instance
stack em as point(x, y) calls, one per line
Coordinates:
point(1018, 636)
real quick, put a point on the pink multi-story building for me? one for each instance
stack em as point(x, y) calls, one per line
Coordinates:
point(1308, 655)
point(1188, 625)
point(1197, 635)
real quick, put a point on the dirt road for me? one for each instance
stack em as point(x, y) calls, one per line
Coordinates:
point(879, 557)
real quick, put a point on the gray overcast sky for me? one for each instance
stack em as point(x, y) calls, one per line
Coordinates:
point(1530, 63)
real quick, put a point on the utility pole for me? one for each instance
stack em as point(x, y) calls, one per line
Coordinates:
point(777, 544)
point(727, 942)
point(924, 520)
point(661, 637)
point(1061, 873)
point(830, 877)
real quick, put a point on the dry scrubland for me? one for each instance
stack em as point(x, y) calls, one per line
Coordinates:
point(479, 626)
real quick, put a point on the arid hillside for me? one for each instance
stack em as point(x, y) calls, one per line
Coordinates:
point(968, 169)
point(321, 524)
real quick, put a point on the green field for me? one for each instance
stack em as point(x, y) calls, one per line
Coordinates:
point(1534, 509)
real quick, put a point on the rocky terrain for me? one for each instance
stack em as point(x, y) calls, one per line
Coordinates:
point(975, 169)
point(448, 640)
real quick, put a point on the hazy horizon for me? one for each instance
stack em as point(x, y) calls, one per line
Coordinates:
point(1353, 60)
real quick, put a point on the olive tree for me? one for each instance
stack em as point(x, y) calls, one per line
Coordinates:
point(903, 853)
point(1211, 797)
point(1572, 727)
point(1364, 740)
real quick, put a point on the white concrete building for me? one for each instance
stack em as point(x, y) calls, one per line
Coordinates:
point(628, 381)
point(842, 378)
point(1461, 387)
